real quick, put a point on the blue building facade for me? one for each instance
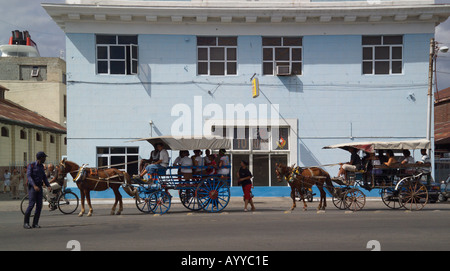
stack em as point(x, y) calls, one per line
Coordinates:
point(327, 74)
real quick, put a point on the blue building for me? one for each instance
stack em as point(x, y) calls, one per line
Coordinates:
point(329, 72)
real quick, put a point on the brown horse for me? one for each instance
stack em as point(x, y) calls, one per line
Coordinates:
point(92, 179)
point(305, 178)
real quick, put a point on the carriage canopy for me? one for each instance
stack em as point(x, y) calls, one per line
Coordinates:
point(393, 145)
point(190, 143)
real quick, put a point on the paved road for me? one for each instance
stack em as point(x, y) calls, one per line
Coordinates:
point(270, 227)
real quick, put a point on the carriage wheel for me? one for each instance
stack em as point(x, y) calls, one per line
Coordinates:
point(213, 195)
point(160, 202)
point(413, 195)
point(390, 198)
point(355, 199)
point(338, 199)
point(189, 200)
point(143, 201)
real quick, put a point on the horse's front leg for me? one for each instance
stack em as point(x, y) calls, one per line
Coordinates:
point(88, 197)
point(305, 206)
point(293, 199)
point(82, 195)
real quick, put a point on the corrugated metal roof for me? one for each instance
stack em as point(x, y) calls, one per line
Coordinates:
point(15, 114)
point(442, 129)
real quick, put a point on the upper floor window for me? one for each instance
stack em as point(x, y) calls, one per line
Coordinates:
point(282, 55)
point(23, 134)
point(5, 132)
point(217, 55)
point(117, 54)
point(382, 54)
point(38, 137)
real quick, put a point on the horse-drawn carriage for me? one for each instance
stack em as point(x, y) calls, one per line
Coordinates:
point(400, 185)
point(198, 191)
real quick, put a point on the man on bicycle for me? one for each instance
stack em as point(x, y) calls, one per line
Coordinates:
point(56, 183)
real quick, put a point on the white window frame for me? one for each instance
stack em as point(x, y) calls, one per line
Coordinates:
point(274, 61)
point(390, 59)
point(127, 61)
point(225, 61)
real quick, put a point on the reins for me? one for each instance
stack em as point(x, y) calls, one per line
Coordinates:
point(81, 169)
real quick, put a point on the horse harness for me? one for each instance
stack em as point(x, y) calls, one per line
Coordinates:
point(297, 171)
point(83, 175)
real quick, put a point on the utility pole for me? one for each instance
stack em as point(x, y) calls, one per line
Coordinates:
point(430, 89)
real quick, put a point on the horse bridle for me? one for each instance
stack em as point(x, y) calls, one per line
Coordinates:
point(279, 175)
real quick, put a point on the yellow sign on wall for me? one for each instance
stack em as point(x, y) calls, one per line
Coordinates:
point(255, 87)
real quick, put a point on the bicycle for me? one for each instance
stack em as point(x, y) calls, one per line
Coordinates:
point(66, 201)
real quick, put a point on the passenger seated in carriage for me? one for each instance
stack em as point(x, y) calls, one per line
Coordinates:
point(224, 162)
point(407, 158)
point(391, 159)
point(210, 163)
point(185, 163)
point(198, 162)
point(425, 158)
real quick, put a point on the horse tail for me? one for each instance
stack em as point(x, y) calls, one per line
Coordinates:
point(127, 187)
point(329, 183)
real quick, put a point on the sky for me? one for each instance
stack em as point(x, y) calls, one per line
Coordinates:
point(29, 15)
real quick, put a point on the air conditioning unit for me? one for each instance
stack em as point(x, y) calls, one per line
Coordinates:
point(283, 70)
point(35, 71)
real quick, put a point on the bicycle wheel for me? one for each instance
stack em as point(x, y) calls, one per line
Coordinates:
point(24, 205)
point(68, 202)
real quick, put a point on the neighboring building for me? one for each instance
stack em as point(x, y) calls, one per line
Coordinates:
point(37, 83)
point(340, 71)
point(24, 133)
point(442, 133)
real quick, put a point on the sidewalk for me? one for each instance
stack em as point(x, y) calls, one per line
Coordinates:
point(8, 204)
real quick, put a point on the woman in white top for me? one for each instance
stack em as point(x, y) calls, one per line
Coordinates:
point(197, 159)
point(224, 162)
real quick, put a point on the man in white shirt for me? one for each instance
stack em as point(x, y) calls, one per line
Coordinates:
point(184, 162)
point(159, 165)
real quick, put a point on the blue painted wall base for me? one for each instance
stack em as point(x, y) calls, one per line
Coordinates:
point(264, 191)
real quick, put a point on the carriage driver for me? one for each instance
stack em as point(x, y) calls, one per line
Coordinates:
point(160, 163)
point(352, 166)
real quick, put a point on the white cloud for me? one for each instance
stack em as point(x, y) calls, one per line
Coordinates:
point(29, 15)
point(443, 59)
